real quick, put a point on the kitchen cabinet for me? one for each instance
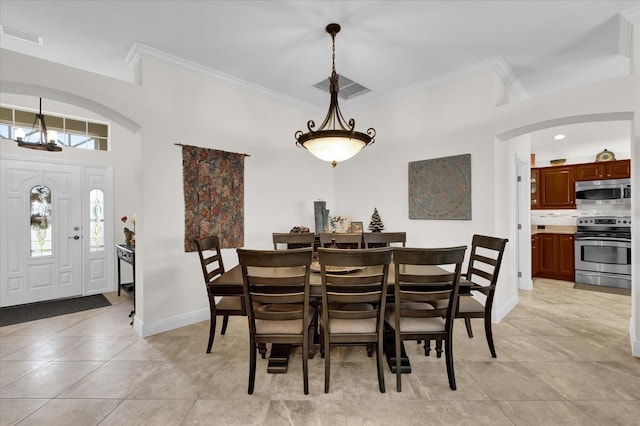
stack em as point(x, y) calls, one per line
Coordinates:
point(534, 189)
point(605, 170)
point(554, 187)
point(535, 255)
point(557, 187)
point(552, 256)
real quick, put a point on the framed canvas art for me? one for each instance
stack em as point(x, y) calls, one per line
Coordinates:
point(440, 188)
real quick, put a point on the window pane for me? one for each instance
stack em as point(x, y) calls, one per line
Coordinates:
point(41, 231)
point(4, 131)
point(95, 129)
point(96, 222)
point(54, 123)
point(6, 115)
point(76, 125)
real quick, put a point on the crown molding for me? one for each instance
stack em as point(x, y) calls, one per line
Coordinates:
point(497, 64)
point(139, 51)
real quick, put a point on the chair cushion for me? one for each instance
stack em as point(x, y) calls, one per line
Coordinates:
point(350, 326)
point(281, 327)
point(408, 324)
point(469, 304)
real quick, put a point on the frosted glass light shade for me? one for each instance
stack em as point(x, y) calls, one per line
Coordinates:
point(334, 149)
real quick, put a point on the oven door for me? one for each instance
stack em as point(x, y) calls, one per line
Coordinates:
point(602, 254)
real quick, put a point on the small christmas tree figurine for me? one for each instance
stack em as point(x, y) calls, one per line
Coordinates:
point(375, 225)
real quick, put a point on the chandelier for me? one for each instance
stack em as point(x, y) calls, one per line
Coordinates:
point(47, 140)
point(336, 139)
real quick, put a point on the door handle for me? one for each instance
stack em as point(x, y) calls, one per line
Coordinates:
point(75, 237)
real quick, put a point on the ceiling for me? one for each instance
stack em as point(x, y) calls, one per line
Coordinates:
point(390, 47)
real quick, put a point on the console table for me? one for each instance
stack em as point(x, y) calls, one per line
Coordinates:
point(127, 254)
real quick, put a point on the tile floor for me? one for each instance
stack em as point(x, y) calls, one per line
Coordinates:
point(563, 358)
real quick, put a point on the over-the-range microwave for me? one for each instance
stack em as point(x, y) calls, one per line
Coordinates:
point(611, 191)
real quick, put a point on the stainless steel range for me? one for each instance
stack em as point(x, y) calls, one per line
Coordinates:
point(603, 251)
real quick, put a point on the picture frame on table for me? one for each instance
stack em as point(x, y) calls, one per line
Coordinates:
point(356, 227)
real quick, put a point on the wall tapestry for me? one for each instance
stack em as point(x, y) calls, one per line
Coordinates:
point(213, 183)
point(440, 188)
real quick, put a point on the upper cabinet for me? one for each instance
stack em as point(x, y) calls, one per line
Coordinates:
point(554, 187)
point(557, 188)
point(605, 170)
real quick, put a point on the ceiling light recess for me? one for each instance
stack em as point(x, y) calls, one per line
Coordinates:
point(559, 137)
point(336, 139)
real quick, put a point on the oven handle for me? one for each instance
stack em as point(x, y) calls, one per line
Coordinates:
point(616, 240)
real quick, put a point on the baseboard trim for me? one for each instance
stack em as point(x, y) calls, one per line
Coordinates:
point(499, 313)
point(166, 324)
point(635, 344)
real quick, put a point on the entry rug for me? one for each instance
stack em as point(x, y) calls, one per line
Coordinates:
point(50, 308)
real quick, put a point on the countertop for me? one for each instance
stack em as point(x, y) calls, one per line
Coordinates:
point(553, 229)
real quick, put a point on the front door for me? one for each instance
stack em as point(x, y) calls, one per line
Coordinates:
point(40, 231)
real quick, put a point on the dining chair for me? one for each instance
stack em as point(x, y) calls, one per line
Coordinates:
point(293, 239)
point(212, 267)
point(342, 240)
point(422, 279)
point(276, 291)
point(482, 274)
point(383, 239)
point(353, 304)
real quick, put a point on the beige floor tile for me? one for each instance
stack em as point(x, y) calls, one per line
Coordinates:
point(586, 380)
point(176, 380)
point(101, 348)
point(611, 413)
point(77, 412)
point(230, 382)
point(548, 413)
point(12, 370)
point(309, 412)
point(509, 381)
point(426, 412)
point(112, 380)
point(14, 410)
point(48, 381)
point(228, 412)
point(149, 412)
point(46, 348)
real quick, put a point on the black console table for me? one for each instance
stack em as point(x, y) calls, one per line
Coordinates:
point(128, 255)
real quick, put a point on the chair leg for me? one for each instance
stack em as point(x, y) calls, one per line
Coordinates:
point(225, 322)
point(327, 362)
point(252, 366)
point(262, 348)
point(398, 363)
point(427, 347)
point(467, 323)
point(369, 350)
point(305, 363)
point(212, 330)
point(379, 356)
point(439, 348)
point(448, 354)
point(489, 334)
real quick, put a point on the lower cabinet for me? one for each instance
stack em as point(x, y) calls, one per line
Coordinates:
point(552, 256)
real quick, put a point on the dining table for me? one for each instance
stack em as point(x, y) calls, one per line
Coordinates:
point(230, 283)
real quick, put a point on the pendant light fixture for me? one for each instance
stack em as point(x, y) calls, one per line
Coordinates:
point(47, 140)
point(336, 139)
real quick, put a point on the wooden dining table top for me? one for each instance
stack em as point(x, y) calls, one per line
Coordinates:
point(230, 283)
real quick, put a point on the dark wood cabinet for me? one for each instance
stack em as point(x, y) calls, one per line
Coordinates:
point(554, 187)
point(605, 170)
point(566, 263)
point(557, 187)
point(535, 255)
point(534, 189)
point(552, 256)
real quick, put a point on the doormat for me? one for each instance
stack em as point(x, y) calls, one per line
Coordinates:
point(50, 308)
